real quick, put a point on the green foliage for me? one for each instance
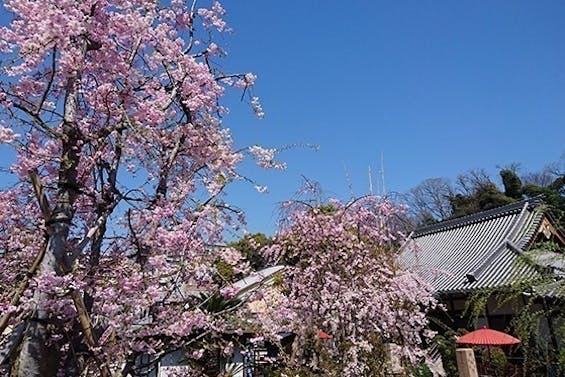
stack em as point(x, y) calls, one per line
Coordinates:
point(553, 195)
point(250, 246)
point(437, 200)
point(512, 184)
point(476, 304)
point(327, 209)
point(485, 197)
point(494, 360)
point(217, 303)
point(560, 334)
point(539, 338)
point(546, 246)
point(225, 270)
point(447, 347)
point(422, 370)
point(278, 279)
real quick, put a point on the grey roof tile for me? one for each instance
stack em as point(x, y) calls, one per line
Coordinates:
point(477, 251)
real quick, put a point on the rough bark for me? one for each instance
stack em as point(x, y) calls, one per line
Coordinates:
point(38, 355)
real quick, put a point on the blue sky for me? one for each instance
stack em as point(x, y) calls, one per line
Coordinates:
point(438, 87)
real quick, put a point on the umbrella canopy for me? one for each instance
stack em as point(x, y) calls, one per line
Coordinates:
point(323, 335)
point(487, 337)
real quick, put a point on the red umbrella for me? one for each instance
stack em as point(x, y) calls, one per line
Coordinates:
point(323, 335)
point(487, 337)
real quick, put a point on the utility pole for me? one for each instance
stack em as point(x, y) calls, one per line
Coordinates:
point(370, 181)
point(383, 173)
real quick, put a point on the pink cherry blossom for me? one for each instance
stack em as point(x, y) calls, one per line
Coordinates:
point(342, 278)
point(7, 135)
point(112, 109)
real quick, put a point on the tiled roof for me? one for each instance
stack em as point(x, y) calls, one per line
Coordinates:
point(256, 279)
point(476, 251)
point(551, 290)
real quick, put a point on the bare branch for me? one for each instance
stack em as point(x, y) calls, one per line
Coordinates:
point(86, 326)
point(40, 194)
point(191, 28)
point(22, 287)
point(39, 124)
point(49, 82)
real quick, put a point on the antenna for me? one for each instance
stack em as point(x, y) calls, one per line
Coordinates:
point(370, 181)
point(383, 173)
point(348, 179)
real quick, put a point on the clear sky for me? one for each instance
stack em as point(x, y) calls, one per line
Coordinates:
point(439, 87)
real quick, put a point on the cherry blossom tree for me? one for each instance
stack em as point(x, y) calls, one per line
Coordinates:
point(343, 293)
point(115, 196)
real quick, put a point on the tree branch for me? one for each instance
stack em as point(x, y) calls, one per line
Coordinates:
point(40, 194)
point(49, 82)
point(22, 287)
point(39, 123)
point(86, 326)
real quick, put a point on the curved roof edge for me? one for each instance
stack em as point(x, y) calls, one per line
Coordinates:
point(479, 216)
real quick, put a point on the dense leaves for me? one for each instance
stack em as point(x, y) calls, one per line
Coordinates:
point(437, 199)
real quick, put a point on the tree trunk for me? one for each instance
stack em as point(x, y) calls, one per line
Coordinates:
point(36, 358)
point(39, 355)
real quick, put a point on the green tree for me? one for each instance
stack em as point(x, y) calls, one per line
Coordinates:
point(250, 246)
point(485, 197)
point(512, 184)
point(553, 194)
point(437, 199)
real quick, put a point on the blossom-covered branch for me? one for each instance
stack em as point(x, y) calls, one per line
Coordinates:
point(113, 111)
point(342, 280)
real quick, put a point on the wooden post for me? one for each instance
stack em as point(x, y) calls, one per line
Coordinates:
point(466, 364)
point(393, 363)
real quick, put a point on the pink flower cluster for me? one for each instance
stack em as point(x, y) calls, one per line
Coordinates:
point(343, 279)
point(265, 157)
point(113, 111)
point(7, 135)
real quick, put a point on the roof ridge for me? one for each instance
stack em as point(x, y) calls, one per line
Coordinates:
point(478, 217)
point(508, 237)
